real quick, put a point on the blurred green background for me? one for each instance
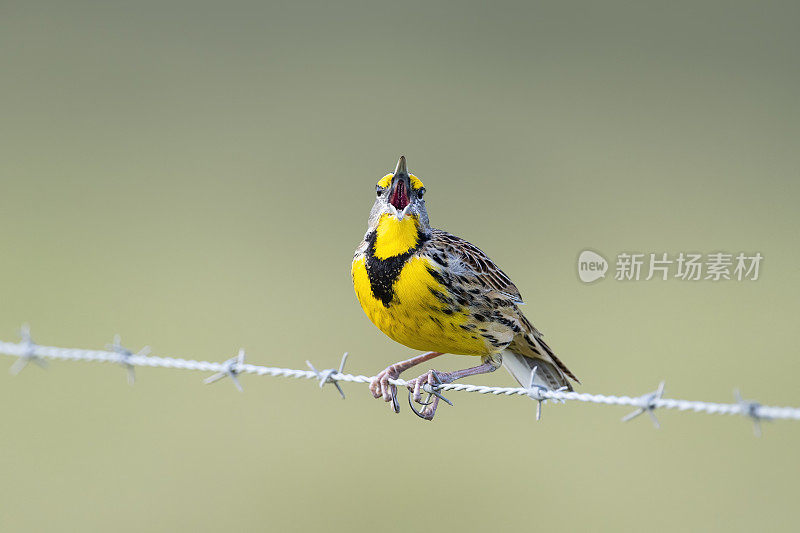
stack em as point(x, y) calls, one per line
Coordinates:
point(195, 176)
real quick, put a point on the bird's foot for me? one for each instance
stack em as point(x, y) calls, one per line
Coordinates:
point(381, 388)
point(428, 382)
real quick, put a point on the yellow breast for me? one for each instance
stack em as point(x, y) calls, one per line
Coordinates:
point(411, 313)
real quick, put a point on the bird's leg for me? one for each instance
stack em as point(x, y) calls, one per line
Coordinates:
point(380, 386)
point(434, 378)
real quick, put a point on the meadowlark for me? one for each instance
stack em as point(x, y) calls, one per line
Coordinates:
point(434, 292)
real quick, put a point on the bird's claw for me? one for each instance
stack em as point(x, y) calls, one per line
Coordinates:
point(428, 382)
point(380, 387)
point(428, 411)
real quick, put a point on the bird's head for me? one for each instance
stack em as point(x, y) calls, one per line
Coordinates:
point(399, 195)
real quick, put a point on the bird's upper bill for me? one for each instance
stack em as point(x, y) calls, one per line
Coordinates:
point(401, 184)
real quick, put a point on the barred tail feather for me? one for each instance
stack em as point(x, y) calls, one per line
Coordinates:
point(561, 366)
point(528, 351)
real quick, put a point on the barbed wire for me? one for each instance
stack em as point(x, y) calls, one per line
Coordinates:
point(28, 352)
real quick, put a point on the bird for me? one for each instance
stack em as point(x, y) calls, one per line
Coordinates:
point(437, 293)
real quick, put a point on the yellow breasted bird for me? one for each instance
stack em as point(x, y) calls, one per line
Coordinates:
point(432, 291)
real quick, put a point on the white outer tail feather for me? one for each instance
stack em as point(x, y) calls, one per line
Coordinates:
point(548, 375)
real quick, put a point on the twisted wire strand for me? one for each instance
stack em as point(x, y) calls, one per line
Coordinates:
point(27, 350)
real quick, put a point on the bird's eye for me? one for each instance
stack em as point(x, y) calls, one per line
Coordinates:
point(420, 192)
point(379, 190)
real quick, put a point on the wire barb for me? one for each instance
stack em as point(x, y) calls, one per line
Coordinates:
point(230, 369)
point(125, 355)
point(751, 410)
point(28, 354)
point(433, 390)
point(540, 393)
point(326, 376)
point(649, 404)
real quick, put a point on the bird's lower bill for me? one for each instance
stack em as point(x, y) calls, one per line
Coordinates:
point(399, 198)
point(400, 214)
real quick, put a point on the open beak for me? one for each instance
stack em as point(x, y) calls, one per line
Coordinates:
point(401, 185)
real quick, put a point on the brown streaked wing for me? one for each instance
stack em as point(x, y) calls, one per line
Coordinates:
point(486, 272)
